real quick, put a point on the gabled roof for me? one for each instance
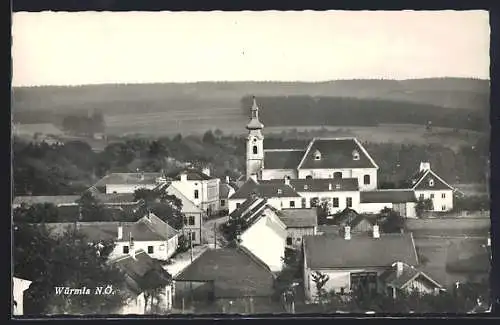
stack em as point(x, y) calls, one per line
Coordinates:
point(335, 252)
point(128, 178)
point(267, 189)
point(143, 271)
point(236, 272)
point(250, 206)
point(57, 200)
point(149, 228)
point(282, 158)
point(319, 184)
point(345, 216)
point(336, 153)
point(409, 273)
point(423, 183)
point(299, 218)
point(225, 189)
point(192, 174)
point(387, 196)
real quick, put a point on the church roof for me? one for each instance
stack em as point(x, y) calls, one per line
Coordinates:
point(283, 158)
point(264, 189)
point(336, 153)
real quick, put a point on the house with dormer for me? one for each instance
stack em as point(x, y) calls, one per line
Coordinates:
point(426, 184)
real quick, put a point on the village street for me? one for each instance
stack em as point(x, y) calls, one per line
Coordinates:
point(210, 230)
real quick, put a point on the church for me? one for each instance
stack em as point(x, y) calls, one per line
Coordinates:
point(339, 171)
point(323, 158)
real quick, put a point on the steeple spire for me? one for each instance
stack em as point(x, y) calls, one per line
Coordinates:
point(254, 123)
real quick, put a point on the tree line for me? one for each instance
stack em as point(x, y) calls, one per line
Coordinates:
point(339, 111)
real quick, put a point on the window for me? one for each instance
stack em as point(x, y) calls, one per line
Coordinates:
point(421, 196)
point(366, 179)
point(335, 202)
point(255, 150)
point(292, 204)
point(348, 201)
point(431, 182)
point(289, 240)
point(150, 249)
point(364, 281)
point(196, 194)
point(317, 155)
point(222, 203)
point(443, 208)
point(191, 220)
point(125, 249)
point(314, 202)
point(185, 220)
point(304, 202)
point(432, 195)
point(443, 195)
point(342, 290)
point(355, 155)
point(238, 205)
point(193, 236)
point(337, 175)
point(308, 177)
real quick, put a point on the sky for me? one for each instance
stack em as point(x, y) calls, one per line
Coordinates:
point(62, 48)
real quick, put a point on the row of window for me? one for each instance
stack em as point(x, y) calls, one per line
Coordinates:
point(443, 196)
point(366, 178)
point(189, 221)
point(151, 249)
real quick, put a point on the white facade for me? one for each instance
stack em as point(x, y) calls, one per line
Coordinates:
point(127, 188)
point(332, 197)
point(203, 193)
point(233, 204)
point(137, 304)
point(442, 200)
point(161, 250)
point(373, 207)
point(358, 173)
point(255, 152)
point(265, 243)
point(276, 202)
point(19, 287)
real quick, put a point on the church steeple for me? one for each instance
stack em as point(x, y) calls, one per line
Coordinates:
point(254, 123)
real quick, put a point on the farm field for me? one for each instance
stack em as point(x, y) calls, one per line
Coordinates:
point(438, 239)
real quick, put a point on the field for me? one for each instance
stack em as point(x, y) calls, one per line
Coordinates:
point(441, 241)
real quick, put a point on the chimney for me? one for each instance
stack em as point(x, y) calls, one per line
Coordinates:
point(376, 232)
point(142, 176)
point(329, 186)
point(399, 269)
point(183, 177)
point(425, 166)
point(488, 242)
point(206, 171)
point(287, 180)
point(347, 232)
point(120, 232)
point(228, 180)
point(131, 250)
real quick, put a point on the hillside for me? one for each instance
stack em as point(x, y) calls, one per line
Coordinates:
point(221, 102)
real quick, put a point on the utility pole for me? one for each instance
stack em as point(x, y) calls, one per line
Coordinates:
point(191, 245)
point(215, 235)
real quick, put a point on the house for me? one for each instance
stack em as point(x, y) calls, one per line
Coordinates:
point(263, 234)
point(146, 280)
point(226, 190)
point(149, 233)
point(321, 158)
point(299, 223)
point(193, 215)
point(226, 280)
point(406, 278)
point(357, 223)
point(128, 182)
point(19, 286)
point(428, 185)
point(354, 261)
point(279, 194)
point(402, 201)
point(199, 187)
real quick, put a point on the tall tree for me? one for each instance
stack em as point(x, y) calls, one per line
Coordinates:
point(90, 208)
point(36, 213)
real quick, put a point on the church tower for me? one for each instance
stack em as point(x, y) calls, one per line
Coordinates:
point(255, 144)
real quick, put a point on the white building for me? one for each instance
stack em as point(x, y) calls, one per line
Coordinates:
point(199, 187)
point(19, 286)
point(428, 185)
point(128, 182)
point(265, 234)
point(322, 158)
point(400, 200)
point(149, 233)
point(226, 190)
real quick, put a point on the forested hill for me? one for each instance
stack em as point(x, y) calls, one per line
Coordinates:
point(45, 104)
point(338, 111)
